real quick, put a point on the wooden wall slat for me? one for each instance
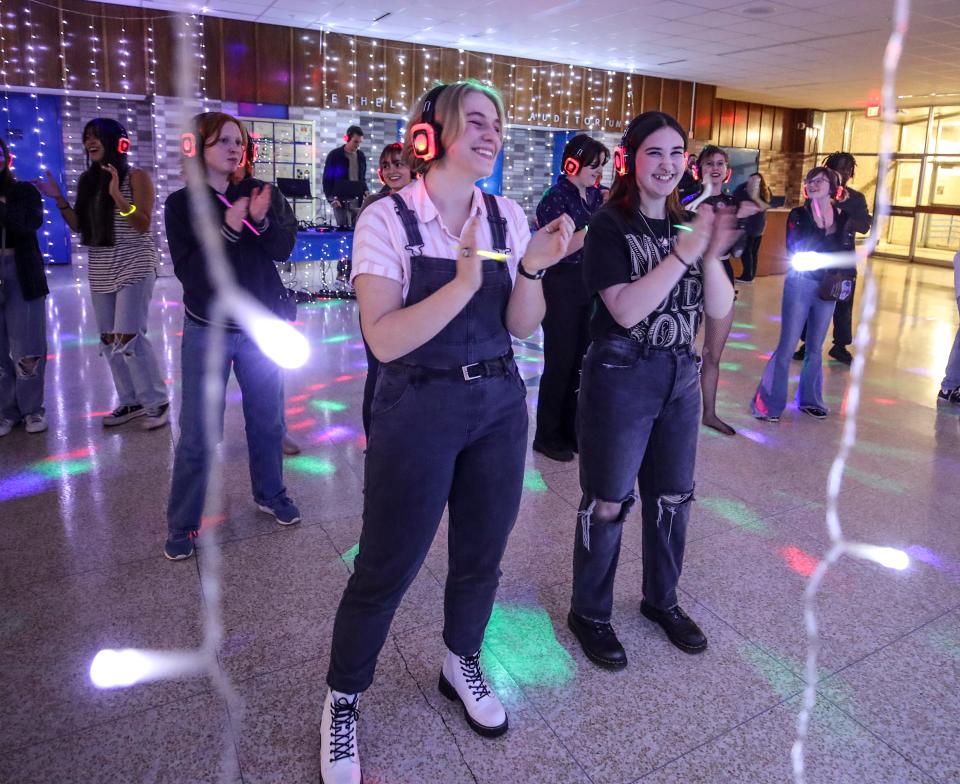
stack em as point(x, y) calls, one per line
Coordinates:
point(740, 116)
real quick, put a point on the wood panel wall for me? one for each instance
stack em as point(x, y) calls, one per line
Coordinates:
point(251, 62)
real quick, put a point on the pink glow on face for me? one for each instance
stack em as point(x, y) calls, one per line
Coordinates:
point(799, 561)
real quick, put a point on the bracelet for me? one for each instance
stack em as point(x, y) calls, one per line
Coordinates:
point(682, 261)
point(128, 213)
point(530, 275)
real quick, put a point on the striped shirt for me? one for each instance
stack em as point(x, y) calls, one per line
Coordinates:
point(130, 260)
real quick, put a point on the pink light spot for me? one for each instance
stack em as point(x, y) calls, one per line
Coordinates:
point(52, 357)
point(93, 414)
point(76, 454)
point(343, 378)
point(302, 425)
point(294, 411)
point(799, 561)
point(885, 401)
point(298, 398)
point(318, 386)
point(209, 521)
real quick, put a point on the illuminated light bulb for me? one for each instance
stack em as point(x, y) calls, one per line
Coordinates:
point(275, 338)
point(890, 557)
point(117, 669)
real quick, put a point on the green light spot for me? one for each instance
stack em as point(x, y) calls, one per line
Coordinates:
point(337, 339)
point(323, 303)
point(329, 405)
point(532, 480)
point(527, 358)
point(522, 639)
point(306, 464)
point(779, 678)
point(875, 482)
point(735, 512)
point(744, 346)
point(742, 325)
point(59, 468)
point(351, 555)
point(733, 367)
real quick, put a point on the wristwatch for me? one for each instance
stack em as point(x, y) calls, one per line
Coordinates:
point(538, 275)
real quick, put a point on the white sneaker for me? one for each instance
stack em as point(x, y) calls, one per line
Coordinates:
point(339, 758)
point(6, 426)
point(35, 423)
point(462, 679)
point(157, 418)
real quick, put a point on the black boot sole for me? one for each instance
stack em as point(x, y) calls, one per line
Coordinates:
point(678, 643)
point(607, 664)
point(447, 690)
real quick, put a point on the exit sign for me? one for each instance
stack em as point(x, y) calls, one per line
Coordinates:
point(873, 110)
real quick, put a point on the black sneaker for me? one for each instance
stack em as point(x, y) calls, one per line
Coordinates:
point(599, 642)
point(122, 414)
point(680, 628)
point(949, 396)
point(561, 454)
point(800, 353)
point(840, 354)
point(815, 411)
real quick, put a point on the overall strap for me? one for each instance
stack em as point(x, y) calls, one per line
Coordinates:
point(410, 225)
point(498, 224)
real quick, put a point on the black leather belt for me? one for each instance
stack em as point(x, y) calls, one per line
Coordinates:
point(501, 366)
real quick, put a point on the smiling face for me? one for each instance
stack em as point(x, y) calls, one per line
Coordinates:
point(659, 163)
point(714, 169)
point(93, 146)
point(222, 155)
point(396, 174)
point(818, 187)
point(587, 176)
point(476, 149)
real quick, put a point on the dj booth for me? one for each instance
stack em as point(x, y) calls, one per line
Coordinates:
point(320, 263)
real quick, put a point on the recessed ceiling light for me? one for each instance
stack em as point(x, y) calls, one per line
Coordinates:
point(758, 10)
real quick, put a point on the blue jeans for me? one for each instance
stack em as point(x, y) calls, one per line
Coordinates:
point(801, 305)
point(136, 374)
point(638, 420)
point(261, 384)
point(951, 378)
point(23, 336)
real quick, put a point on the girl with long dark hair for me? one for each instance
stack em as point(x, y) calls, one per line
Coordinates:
point(652, 275)
point(113, 215)
point(23, 291)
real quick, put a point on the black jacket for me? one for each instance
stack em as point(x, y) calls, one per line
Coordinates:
point(22, 217)
point(803, 234)
point(251, 257)
point(336, 168)
point(854, 204)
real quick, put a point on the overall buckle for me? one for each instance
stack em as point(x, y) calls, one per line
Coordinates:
point(465, 369)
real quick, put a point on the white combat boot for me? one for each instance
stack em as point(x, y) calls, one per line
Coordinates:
point(339, 758)
point(462, 679)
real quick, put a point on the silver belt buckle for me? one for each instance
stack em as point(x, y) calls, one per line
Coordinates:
point(465, 369)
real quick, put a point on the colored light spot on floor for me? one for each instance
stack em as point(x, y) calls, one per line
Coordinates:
point(347, 377)
point(742, 325)
point(318, 386)
point(328, 405)
point(63, 468)
point(753, 435)
point(778, 678)
point(533, 480)
point(294, 411)
point(76, 454)
point(335, 434)
point(351, 555)
point(885, 401)
point(738, 335)
point(741, 345)
point(309, 464)
point(336, 339)
point(209, 521)
point(303, 424)
point(875, 481)
point(799, 561)
point(733, 367)
point(523, 640)
point(734, 512)
point(297, 398)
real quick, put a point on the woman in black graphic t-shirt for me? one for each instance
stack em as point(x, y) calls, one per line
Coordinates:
point(652, 277)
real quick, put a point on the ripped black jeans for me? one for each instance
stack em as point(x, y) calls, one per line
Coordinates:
point(638, 419)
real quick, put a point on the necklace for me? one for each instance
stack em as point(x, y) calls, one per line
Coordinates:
point(663, 242)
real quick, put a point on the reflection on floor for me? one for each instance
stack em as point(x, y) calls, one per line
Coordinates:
point(81, 569)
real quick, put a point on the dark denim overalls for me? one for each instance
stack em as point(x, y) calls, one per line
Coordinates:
point(448, 426)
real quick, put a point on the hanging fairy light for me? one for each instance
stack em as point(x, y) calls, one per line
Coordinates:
point(31, 60)
point(201, 49)
point(94, 71)
point(353, 66)
point(11, 142)
point(159, 142)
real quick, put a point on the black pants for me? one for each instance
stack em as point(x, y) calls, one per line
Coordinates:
point(751, 251)
point(565, 339)
point(373, 367)
point(639, 421)
point(842, 321)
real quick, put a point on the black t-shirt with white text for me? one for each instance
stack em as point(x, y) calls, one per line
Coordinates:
point(621, 250)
